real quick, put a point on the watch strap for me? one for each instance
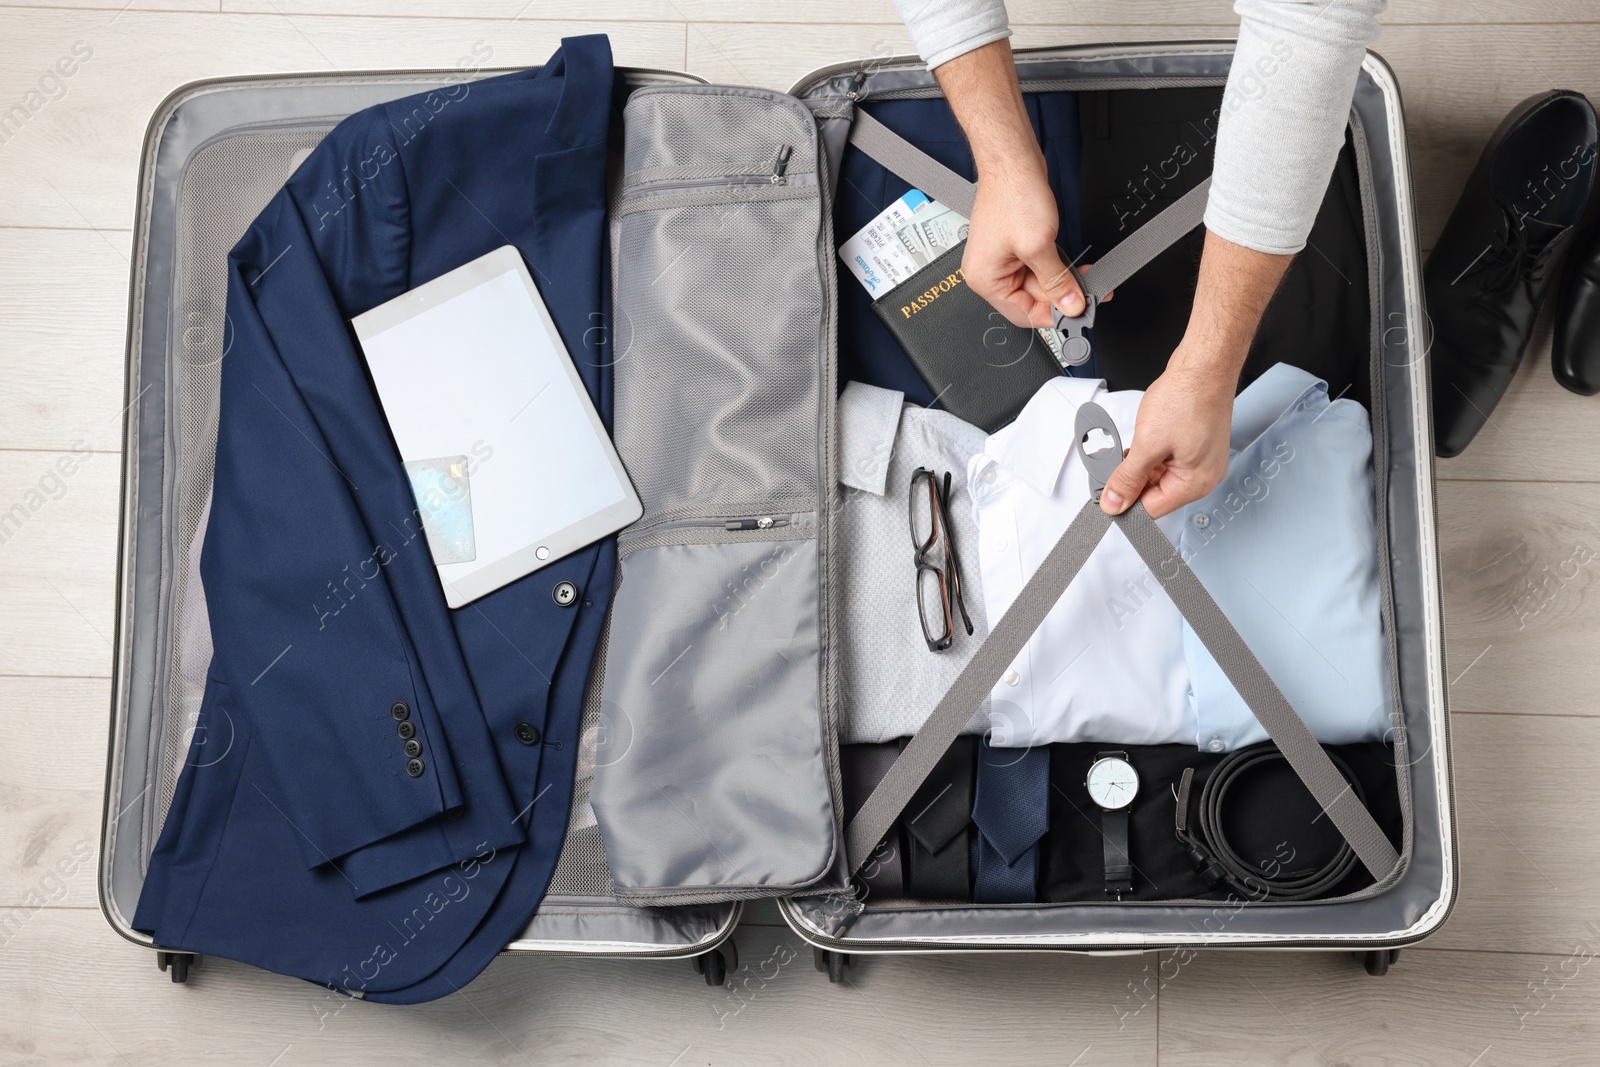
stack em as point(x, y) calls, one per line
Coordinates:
point(1119, 868)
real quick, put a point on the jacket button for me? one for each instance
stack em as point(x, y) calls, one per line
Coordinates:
point(414, 768)
point(527, 733)
point(413, 747)
point(565, 594)
point(407, 730)
point(400, 712)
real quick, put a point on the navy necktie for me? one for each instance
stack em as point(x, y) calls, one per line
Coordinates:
point(1011, 808)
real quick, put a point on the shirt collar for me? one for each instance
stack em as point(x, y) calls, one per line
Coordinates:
point(1035, 447)
point(869, 417)
point(1265, 400)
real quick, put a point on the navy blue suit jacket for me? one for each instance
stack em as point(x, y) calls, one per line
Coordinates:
point(298, 839)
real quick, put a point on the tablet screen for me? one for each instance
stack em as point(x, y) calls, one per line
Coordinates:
point(508, 460)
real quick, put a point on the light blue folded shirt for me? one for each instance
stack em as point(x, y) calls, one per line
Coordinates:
point(1287, 544)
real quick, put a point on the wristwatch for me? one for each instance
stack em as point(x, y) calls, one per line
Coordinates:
point(1113, 783)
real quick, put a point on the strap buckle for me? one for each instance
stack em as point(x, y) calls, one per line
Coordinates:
point(1075, 348)
point(1099, 464)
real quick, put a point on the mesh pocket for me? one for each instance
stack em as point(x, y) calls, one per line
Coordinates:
point(712, 130)
point(718, 345)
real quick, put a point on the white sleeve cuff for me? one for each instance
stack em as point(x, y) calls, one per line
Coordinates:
point(945, 29)
point(965, 46)
point(1249, 232)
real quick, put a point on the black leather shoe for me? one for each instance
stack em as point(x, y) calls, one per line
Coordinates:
point(1575, 357)
point(1494, 262)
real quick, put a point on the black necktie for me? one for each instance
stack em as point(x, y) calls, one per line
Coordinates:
point(938, 826)
point(864, 767)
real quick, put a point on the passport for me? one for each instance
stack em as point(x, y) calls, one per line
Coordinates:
point(980, 367)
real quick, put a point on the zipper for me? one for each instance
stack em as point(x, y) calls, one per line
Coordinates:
point(781, 164)
point(754, 522)
point(776, 173)
point(751, 522)
point(765, 522)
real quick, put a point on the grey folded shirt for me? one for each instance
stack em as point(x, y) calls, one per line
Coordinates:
point(891, 681)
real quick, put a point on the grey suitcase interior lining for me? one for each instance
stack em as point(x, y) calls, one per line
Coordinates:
point(216, 154)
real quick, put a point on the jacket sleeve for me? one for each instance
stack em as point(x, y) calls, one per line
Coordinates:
point(1283, 117)
point(304, 552)
point(945, 29)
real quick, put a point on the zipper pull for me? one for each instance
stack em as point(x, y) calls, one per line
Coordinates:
point(781, 164)
point(854, 906)
point(860, 79)
point(765, 522)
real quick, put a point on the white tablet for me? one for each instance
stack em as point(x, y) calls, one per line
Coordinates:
point(508, 460)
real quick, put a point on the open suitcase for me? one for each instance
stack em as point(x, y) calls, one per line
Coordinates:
point(216, 151)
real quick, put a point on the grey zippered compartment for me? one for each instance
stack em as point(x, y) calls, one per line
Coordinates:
point(722, 781)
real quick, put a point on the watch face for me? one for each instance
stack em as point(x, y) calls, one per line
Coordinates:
point(1112, 783)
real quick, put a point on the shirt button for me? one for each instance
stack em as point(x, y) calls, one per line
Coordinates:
point(988, 476)
point(1201, 521)
point(565, 594)
point(406, 730)
point(1215, 744)
point(527, 733)
point(400, 712)
point(1012, 678)
point(415, 767)
point(413, 747)
point(1001, 544)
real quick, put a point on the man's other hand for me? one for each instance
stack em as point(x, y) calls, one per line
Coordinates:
point(1011, 258)
point(1180, 441)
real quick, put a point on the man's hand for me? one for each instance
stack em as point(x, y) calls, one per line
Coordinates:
point(1180, 442)
point(1011, 258)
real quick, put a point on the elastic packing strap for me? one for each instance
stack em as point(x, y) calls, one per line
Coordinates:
point(1009, 636)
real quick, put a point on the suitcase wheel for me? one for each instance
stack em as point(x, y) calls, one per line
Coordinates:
point(1377, 962)
point(713, 966)
point(832, 964)
point(177, 964)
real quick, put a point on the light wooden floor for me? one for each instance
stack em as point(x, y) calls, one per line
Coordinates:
point(1508, 980)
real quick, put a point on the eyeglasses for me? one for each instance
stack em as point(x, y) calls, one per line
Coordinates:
point(938, 569)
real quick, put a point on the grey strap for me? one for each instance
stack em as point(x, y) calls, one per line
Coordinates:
point(954, 710)
point(1259, 692)
point(901, 157)
point(1147, 242)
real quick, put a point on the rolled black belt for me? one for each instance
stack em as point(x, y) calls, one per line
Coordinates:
point(1216, 858)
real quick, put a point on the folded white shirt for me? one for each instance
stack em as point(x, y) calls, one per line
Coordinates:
point(1107, 664)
